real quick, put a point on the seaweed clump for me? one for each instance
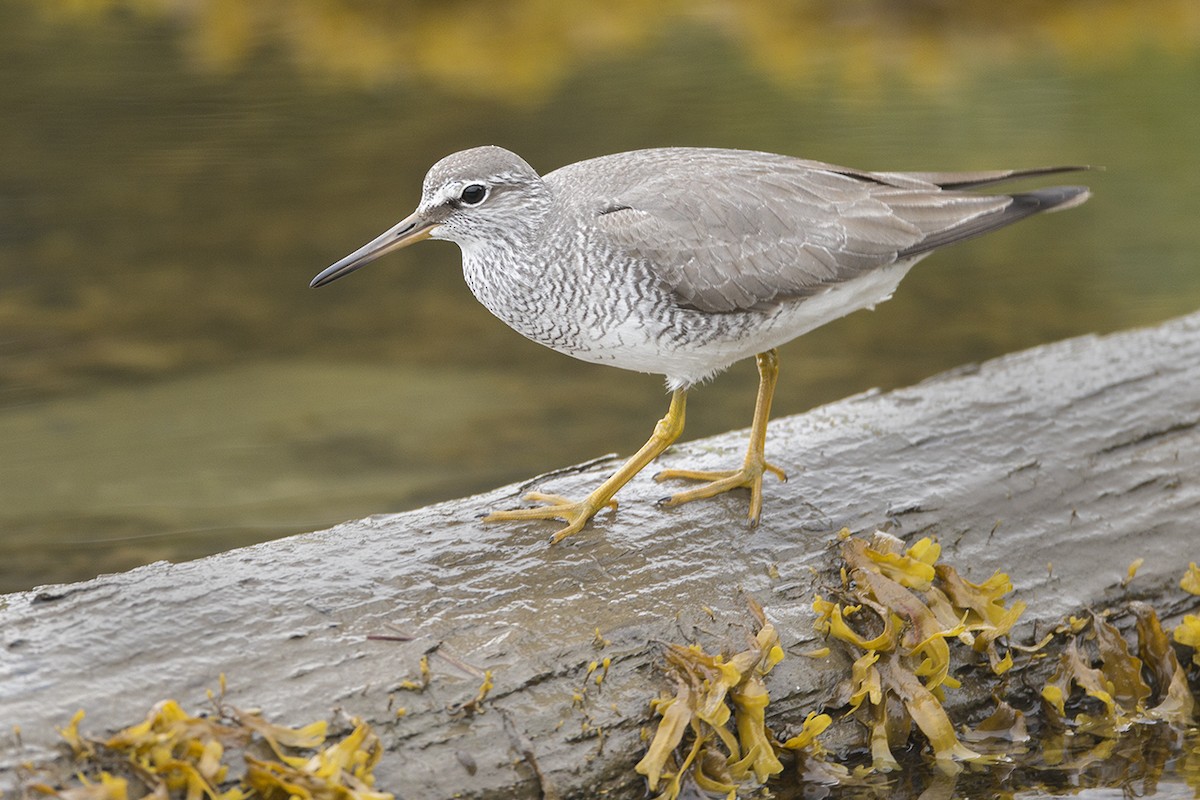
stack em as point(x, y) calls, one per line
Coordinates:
point(712, 691)
point(172, 753)
point(897, 613)
point(1109, 687)
point(908, 627)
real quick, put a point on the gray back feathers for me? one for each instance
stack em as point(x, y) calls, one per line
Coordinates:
point(729, 230)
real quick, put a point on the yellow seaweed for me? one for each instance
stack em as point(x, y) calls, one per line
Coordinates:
point(839, 628)
point(1056, 697)
point(342, 771)
point(605, 664)
point(108, 788)
point(278, 737)
point(1093, 681)
point(750, 702)
point(176, 754)
point(882, 759)
point(922, 624)
point(927, 713)
point(900, 674)
point(864, 681)
point(814, 725)
point(1134, 566)
point(904, 569)
point(926, 550)
point(991, 618)
point(712, 691)
point(676, 715)
point(1006, 723)
point(900, 616)
point(715, 784)
point(824, 610)
point(426, 675)
point(925, 638)
point(1131, 689)
point(181, 751)
point(1122, 669)
point(1175, 701)
point(70, 733)
point(1191, 579)
point(1188, 635)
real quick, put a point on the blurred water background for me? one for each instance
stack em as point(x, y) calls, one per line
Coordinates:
point(173, 172)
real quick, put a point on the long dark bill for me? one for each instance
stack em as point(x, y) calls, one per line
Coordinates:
point(411, 229)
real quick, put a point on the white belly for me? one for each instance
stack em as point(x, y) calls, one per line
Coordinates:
point(634, 344)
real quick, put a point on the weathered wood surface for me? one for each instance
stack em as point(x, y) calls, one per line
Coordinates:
point(1084, 455)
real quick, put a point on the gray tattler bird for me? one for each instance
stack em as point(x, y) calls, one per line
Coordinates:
point(681, 261)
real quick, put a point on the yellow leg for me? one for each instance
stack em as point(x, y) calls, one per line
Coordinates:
point(577, 513)
point(750, 476)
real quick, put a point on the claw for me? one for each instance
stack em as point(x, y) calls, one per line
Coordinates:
point(750, 476)
point(574, 513)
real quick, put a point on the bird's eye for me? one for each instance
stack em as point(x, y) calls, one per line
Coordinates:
point(473, 195)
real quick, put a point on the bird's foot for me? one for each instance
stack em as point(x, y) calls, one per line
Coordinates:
point(575, 513)
point(750, 476)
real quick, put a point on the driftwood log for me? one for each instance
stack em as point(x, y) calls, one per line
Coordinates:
point(1059, 465)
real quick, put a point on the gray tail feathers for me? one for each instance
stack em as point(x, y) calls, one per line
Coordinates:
point(1054, 198)
point(1024, 204)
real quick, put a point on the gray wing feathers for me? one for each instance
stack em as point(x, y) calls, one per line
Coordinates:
point(727, 230)
point(975, 180)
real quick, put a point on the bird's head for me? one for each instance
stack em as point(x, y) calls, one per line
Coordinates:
point(477, 196)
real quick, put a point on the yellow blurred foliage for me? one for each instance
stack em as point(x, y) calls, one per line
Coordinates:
point(521, 51)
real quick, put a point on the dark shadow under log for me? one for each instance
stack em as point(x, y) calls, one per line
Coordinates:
point(1059, 465)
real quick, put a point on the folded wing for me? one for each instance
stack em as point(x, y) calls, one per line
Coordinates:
point(731, 230)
